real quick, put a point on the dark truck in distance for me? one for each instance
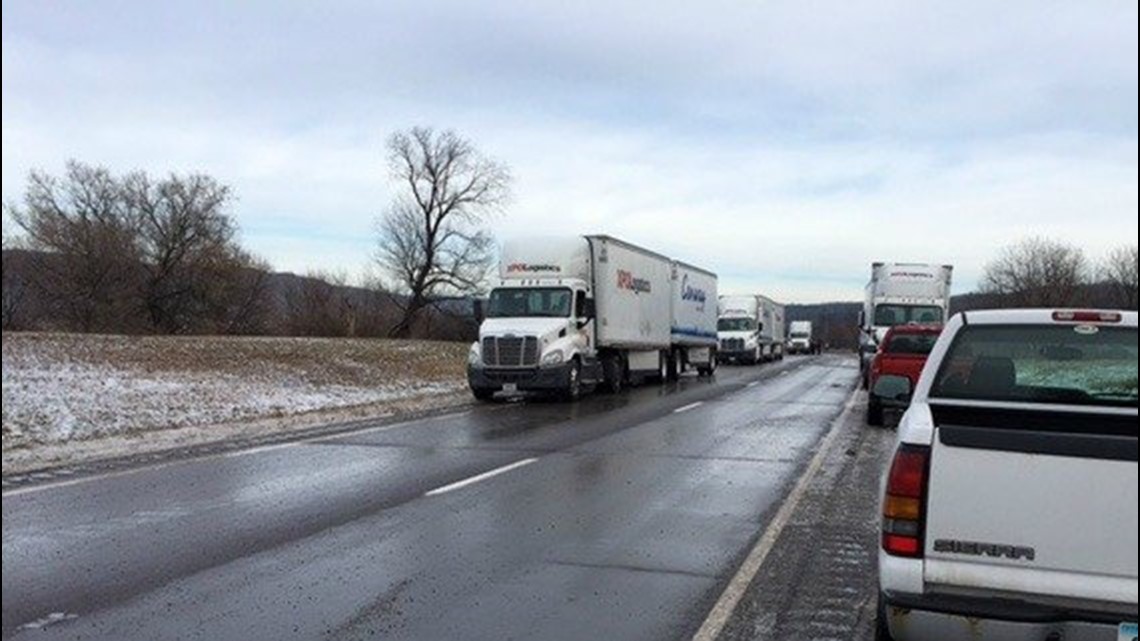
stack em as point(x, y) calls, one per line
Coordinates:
point(895, 369)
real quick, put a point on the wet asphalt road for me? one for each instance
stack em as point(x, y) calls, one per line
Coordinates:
point(625, 525)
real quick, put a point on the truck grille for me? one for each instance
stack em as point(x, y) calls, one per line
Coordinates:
point(732, 345)
point(510, 351)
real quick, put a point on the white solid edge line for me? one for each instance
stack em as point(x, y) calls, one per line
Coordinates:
point(734, 591)
point(479, 477)
point(686, 408)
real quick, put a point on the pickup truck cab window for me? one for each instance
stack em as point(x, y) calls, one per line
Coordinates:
point(1082, 365)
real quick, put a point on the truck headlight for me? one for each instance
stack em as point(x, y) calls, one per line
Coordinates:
point(474, 357)
point(553, 357)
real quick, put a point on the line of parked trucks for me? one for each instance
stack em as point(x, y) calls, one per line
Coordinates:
point(571, 315)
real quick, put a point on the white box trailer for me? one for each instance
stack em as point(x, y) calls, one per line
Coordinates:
point(694, 319)
point(773, 328)
point(750, 329)
point(569, 314)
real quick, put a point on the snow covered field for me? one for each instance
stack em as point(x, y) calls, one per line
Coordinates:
point(121, 393)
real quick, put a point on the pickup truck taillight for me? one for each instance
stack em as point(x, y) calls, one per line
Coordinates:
point(904, 506)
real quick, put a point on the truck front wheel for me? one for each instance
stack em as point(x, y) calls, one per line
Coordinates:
point(874, 411)
point(483, 394)
point(573, 381)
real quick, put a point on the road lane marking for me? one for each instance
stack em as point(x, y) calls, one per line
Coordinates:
point(479, 477)
point(753, 384)
point(736, 588)
point(690, 406)
point(50, 619)
point(234, 453)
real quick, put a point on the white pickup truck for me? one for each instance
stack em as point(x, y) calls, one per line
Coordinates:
point(1009, 509)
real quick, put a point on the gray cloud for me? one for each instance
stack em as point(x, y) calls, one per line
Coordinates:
point(784, 144)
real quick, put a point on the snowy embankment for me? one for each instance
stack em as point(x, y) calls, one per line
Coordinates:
point(69, 396)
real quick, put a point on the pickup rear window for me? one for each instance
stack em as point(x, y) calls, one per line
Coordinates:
point(1081, 365)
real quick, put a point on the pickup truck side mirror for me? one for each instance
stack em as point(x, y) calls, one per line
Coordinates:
point(894, 391)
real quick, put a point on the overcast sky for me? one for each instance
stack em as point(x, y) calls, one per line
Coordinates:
point(784, 145)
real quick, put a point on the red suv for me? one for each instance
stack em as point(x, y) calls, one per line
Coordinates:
point(896, 366)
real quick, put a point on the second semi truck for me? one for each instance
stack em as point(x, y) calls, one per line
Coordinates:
point(750, 329)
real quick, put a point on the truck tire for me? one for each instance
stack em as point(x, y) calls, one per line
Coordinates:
point(662, 367)
point(882, 632)
point(573, 389)
point(874, 412)
point(709, 368)
point(613, 374)
point(483, 394)
point(673, 365)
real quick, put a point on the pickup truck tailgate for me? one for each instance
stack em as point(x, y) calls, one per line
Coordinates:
point(1012, 496)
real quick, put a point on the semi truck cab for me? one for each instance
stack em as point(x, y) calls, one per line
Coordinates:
point(538, 335)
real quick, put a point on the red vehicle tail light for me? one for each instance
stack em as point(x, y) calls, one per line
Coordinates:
point(1087, 316)
point(904, 506)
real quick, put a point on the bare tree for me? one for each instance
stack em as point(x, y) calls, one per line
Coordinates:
point(1119, 269)
point(1037, 272)
point(431, 243)
point(321, 304)
point(236, 294)
point(84, 239)
point(133, 254)
point(186, 241)
point(15, 286)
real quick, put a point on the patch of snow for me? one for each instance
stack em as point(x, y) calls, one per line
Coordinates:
point(60, 390)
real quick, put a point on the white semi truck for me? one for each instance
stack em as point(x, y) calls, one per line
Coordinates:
point(901, 294)
point(750, 329)
point(571, 314)
point(801, 337)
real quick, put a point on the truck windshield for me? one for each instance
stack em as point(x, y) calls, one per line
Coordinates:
point(1081, 365)
point(890, 315)
point(910, 344)
point(736, 325)
point(553, 302)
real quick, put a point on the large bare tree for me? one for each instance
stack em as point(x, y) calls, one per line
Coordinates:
point(1119, 269)
point(83, 236)
point(1037, 272)
point(432, 240)
point(186, 241)
point(130, 253)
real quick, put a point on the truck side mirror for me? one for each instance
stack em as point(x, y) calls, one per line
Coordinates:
point(585, 309)
point(478, 311)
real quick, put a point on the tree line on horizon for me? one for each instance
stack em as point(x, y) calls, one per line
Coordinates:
point(135, 254)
